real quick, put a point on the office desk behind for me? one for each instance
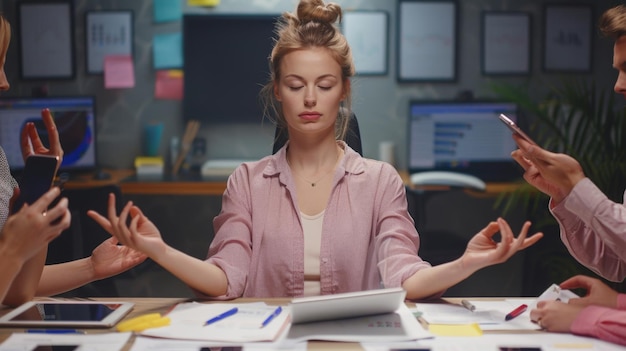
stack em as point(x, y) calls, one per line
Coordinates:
point(183, 208)
point(193, 184)
point(166, 185)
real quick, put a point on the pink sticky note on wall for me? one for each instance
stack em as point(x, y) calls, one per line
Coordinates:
point(119, 72)
point(169, 85)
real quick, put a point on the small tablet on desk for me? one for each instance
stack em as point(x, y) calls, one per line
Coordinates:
point(76, 314)
point(346, 305)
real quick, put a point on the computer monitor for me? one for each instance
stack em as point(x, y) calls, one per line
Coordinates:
point(226, 63)
point(464, 137)
point(75, 121)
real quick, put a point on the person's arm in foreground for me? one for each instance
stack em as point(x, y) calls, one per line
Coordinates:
point(31, 144)
point(106, 260)
point(590, 222)
point(25, 234)
point(481, 251)
point(142, 235)
point(601, 313)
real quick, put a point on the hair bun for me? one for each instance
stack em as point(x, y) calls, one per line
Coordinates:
point(317, 11)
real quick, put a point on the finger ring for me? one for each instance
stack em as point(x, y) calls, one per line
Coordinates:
point(539, 324)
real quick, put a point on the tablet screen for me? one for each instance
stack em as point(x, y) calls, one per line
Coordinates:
point(66, 312)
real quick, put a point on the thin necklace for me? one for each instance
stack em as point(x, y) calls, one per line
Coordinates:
point(313, 183)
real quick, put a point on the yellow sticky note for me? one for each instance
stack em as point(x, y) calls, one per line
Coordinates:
point(455, 329)
point(203, 2)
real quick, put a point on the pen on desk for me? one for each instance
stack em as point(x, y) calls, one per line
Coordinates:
point(468, 305)
point(516, 312)
point(222, 316)
point(271, 316)
point(55, 331)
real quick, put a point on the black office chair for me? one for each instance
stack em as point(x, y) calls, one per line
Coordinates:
point(353, 136)
point(84, 234)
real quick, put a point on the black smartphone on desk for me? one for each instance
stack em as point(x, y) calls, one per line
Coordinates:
point(37, 178)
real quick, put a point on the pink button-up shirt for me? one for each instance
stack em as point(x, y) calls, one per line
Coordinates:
point(369, 240)
point(593, 228)
point(602, 322)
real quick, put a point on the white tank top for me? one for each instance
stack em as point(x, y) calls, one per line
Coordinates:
point(312, 228)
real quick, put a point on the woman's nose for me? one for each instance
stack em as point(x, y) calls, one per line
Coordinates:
point(4, 83)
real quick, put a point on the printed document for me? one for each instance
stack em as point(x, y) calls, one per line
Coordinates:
point(188, 323)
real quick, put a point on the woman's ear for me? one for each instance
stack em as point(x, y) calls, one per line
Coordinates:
point(346, 89)
point(276, 93)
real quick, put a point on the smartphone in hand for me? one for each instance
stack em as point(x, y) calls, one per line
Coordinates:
point(515, 129)
point(37, 178)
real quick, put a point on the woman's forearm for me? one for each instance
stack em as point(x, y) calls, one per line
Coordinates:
point(56, 278)
point(432, 281)
point(24, 284)
point(198, 274)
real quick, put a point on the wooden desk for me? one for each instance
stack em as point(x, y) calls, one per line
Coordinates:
point(130, 184)
point(194, 185)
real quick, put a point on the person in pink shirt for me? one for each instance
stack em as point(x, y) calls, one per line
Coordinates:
point(593, 228)
point(601, 313)
point(315, 218)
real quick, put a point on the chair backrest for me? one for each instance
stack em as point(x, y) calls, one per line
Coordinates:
point(353, 136)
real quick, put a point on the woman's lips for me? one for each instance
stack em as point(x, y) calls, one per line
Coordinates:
point(310, 116)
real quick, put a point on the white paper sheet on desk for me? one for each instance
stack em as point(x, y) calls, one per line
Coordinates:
point(95, 342)
point(398, 326)
point(492, 342)
point(153, 344)
point(554, 292)
point(187, 323)
point(488, 314)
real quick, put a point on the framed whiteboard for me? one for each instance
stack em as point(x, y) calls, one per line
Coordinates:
point(506, 43)
point(427, 40)
point(367, 33)
point(46, 38)
point(568, 37)
point(107, 33)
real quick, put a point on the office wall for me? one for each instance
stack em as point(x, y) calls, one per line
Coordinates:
point(379, 101)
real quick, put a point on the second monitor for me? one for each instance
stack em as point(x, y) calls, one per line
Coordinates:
point(464, 137)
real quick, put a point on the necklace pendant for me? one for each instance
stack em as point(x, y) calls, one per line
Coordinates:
point(313, 184)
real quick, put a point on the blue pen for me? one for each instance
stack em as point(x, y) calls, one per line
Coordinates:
point(222, 316)
point(271, 316)
point(55, 331)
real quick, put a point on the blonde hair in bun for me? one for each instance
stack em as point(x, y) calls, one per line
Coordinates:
point(311, 26)
point(317, 11)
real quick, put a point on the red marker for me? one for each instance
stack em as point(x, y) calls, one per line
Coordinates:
point(516, 312)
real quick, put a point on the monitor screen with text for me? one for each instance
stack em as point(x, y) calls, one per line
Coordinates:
point(464, 137)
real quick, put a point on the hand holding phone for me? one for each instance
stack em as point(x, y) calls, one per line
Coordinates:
point(515, 129)
point(37, 178)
